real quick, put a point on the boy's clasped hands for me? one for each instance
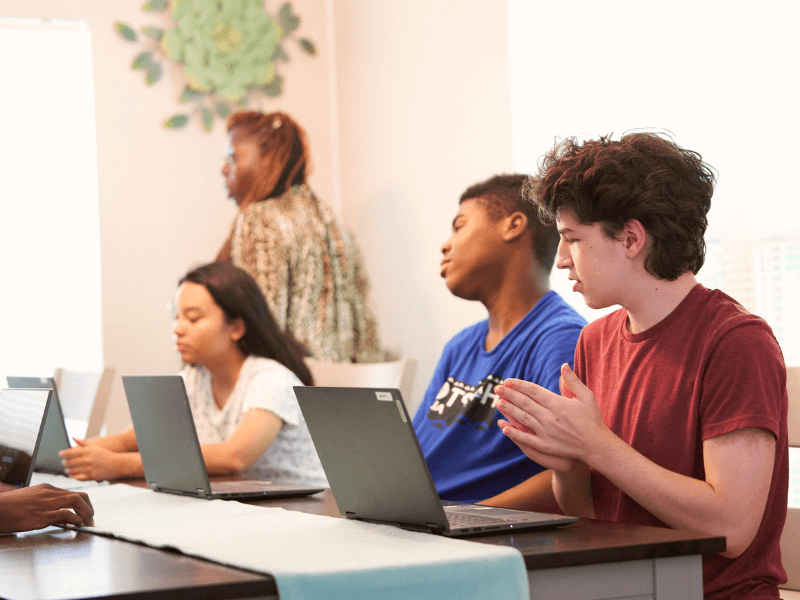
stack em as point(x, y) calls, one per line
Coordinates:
point(550, 429)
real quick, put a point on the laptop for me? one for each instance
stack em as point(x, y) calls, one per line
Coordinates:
point(377, 472)
point(22, 418)
point(55, 437)
point(171, 455)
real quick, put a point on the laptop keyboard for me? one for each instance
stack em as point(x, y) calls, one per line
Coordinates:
point(240, 486)
point(458, 518)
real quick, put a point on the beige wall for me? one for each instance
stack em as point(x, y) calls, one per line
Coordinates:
point(411, 102)
point(424, 111)
point(162, 203)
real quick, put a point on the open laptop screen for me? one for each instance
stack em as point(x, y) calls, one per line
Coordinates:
point(55, 437)
point(22, 414)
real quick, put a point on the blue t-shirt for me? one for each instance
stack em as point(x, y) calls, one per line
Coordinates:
point(469, 457)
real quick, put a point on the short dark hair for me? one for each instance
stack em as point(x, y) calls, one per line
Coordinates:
point(239, 297)
point(501, 195)
point(643, 176)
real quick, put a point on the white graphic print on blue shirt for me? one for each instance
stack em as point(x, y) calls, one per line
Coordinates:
point(469, 457)
point(458, 401)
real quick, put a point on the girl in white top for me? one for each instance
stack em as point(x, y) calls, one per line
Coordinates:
point(239, 377)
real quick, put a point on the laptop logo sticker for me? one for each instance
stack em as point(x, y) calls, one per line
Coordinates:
point(384, 396)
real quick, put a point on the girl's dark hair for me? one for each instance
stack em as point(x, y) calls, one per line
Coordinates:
point(643, 176)
point(239, 297)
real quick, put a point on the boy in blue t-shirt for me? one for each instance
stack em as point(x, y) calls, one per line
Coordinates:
point(501, 255)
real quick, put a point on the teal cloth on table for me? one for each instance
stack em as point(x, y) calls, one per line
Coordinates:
point(311, 556)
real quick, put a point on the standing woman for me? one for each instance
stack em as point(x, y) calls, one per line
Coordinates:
point(239, 373)
point(300, 253)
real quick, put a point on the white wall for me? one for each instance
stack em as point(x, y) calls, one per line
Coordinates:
point(424, 112)
point(163, 208)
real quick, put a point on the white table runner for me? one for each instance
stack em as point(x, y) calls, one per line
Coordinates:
point(312, 556)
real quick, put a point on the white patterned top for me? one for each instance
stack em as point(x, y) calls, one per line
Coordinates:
point(267, 385)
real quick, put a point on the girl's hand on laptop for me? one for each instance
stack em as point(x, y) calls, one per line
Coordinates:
point(91, 461)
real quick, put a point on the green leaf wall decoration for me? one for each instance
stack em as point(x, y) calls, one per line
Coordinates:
point(228, 51)
point(156, 5)
point(154, 33)
point(288, 21)
point(208, 118)
point(125, 31)
point(142, 61)
point(154, 71)
point(176, 122)
point(223, 110)
point(188, 94)
point(307, 45)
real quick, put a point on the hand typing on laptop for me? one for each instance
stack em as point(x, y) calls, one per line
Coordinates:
point(43, 505)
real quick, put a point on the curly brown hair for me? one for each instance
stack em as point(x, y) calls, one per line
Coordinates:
point(643, 176)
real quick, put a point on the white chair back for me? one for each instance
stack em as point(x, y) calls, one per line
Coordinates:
point(398, 374)
point(84, 399)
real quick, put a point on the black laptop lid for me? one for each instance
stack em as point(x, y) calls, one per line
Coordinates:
point(165, 433)
point(22, 413)
point(55, 437)
point(370, 455)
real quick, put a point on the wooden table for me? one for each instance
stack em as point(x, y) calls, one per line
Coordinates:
point(590, 559)
point(58, 564)
point(587, 560)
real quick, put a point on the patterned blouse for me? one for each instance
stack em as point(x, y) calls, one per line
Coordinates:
point(309, 268)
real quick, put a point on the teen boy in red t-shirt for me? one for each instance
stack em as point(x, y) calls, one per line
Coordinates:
point(676, 412)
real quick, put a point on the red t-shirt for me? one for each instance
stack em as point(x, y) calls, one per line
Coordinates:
point(708, 368)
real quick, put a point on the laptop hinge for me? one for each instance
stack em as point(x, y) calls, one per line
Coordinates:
point(427, 528)
point(201, 491)
point(350, 515)
point(434, 528)
point(153, 486)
